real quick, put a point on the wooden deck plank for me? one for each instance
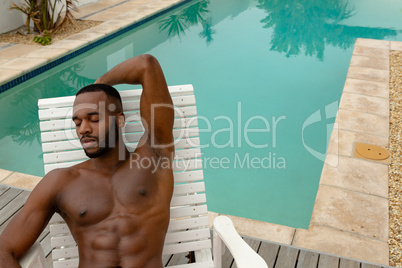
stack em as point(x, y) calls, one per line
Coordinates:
point(3, 188)
point(344, 263)
point(166, 259)
point(326, 261)
point(227, 258)
point(269, 251)
point(4, 225)
point(45, 243)
point(287, 257)
point(368, 265)
point(15, 204)
point(9, 195)
point(307, 259)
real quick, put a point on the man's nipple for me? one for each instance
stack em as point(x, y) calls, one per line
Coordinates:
point(142, 192)
point(83, 212)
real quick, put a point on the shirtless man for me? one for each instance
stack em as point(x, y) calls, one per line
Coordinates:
point(118, 214)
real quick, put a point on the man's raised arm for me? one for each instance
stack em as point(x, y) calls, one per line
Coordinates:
point(156, 105)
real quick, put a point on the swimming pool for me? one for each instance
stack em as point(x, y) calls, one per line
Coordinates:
point(261, 76)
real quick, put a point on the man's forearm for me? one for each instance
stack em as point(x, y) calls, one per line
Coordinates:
point(131, 71)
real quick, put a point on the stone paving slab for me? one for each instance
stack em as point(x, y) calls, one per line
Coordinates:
point(46, 53)
point(8, 74)
point(366, 104)
point(363, 122)
point(357, 175)
point(339, 242)
point(342, 143)
point(21, 180)
point(370, 62)
point(352, 211)
point(396, 45)
point(23, 64)
point(369, 74)
point(369, 88)
point(381, 53)
point(16, 51)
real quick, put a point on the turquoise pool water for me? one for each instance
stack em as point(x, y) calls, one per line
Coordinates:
point(263, 72)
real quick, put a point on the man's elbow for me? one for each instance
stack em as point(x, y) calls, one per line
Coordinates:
point(149, 63)
point(7, 258)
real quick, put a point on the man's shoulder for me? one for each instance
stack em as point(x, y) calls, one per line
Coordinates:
point(61, 175)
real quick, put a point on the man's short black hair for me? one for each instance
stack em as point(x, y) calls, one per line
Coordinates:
point(109, 90)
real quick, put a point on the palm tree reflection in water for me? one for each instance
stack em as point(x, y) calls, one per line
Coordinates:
point(312, 24)
point(176, 24)
point(67, 83)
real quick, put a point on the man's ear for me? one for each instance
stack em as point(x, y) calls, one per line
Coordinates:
point(121, 119)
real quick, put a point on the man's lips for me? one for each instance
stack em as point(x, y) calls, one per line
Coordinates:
point(88, 143)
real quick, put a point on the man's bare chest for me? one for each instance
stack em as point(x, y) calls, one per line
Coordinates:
point(94, 197)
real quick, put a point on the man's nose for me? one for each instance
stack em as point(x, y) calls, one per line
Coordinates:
point(85, 127)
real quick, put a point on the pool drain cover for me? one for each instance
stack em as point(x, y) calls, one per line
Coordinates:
point(371, 152)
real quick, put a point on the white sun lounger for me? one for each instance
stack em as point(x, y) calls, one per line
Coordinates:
point(188, 228)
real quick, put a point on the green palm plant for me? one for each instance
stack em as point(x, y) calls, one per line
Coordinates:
point(28, 8)
point(47, 19)
point(45, 16)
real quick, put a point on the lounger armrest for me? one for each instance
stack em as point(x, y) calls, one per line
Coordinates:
point(34, 258)
point(243, 254)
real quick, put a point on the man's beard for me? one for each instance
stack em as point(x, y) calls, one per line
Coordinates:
point(103, 147)
point(101, 150)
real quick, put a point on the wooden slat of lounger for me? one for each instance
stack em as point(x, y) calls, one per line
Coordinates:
point(66, 263)
point(188, 176)
point(188, 246)
point(187, 165)
point(326, 261)
point(175, 225)
point(131, 115)
point(189, 223)
point(62, 253)
point(177, 166)
point(307, 259)
point(188, 200)
point(178, 101)
point(189, 188)
point(61, 145)
point(125, 95)
point(55, 125)
point(187, 235)
point(344, 263)
point(286, 257)
point(269, 251)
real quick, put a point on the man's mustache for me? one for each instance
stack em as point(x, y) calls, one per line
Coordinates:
point(88, 137)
